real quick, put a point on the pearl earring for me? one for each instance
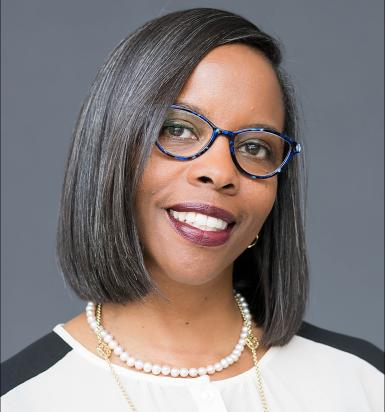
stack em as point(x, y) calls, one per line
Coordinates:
point(254, 242)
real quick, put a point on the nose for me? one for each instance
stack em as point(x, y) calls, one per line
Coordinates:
point(215, 168)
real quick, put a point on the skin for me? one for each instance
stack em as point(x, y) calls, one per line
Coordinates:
point(234, 86)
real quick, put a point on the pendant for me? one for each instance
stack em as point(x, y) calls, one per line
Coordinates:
point(104, 350)
point(252, 342)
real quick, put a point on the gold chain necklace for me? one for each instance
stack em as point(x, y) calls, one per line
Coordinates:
point(252, 343)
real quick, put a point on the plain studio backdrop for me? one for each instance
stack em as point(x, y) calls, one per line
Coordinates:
point(334, 52)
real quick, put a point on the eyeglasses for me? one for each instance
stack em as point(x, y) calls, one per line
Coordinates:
point(259, 153)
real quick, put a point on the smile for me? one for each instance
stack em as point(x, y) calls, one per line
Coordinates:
point(202, 224)
point(200, 221)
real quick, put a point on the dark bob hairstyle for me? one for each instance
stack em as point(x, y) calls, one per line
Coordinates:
point(98, 246)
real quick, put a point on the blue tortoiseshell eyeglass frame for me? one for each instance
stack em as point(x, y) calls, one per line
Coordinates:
point(295, 148)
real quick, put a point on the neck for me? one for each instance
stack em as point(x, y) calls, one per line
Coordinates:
point(195, 317)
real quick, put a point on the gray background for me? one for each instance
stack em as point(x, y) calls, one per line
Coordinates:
point(334, 52)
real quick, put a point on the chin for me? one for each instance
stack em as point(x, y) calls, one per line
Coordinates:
point(189, 274)
point(184, 280)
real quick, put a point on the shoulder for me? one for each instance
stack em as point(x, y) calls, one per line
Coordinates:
point(345, 343)
point(32, 361)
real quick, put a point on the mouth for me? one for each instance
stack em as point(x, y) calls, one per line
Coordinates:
point(202, 224)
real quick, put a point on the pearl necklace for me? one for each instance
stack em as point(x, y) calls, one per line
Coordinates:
point(165, 370)
point(104, 349)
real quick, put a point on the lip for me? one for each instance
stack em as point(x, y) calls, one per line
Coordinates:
point(198, 236)
point(205, 209)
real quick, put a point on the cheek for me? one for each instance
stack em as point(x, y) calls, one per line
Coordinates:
point(154, 176)
point(157, 175)
point(262, 197)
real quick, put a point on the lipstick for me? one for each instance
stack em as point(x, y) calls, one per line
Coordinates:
point(215, 232)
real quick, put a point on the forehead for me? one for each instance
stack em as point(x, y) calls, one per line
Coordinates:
point(233, 84)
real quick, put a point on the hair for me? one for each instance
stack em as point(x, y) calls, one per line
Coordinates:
point(98, 246)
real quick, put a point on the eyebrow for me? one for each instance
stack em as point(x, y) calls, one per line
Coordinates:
point(247, 126)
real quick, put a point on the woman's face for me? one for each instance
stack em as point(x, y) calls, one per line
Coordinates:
point(234, 86)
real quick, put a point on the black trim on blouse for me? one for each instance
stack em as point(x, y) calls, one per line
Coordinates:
point(34, 359)
point(48, 350)
point(356, 346)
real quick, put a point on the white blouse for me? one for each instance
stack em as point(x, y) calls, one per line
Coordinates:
point(302, 376)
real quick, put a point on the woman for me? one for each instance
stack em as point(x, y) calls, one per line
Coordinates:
point(181, 226)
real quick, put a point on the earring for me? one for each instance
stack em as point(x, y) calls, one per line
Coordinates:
point(254, 242)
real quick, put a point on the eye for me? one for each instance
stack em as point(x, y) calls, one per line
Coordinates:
point(178, 131)
point(254, 149)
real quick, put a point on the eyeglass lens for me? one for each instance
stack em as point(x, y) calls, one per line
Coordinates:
point(257, 152)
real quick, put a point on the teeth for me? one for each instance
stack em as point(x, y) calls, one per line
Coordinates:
point(190, 216)
point(182, 216)
point(212, 222)
point(199, 220)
